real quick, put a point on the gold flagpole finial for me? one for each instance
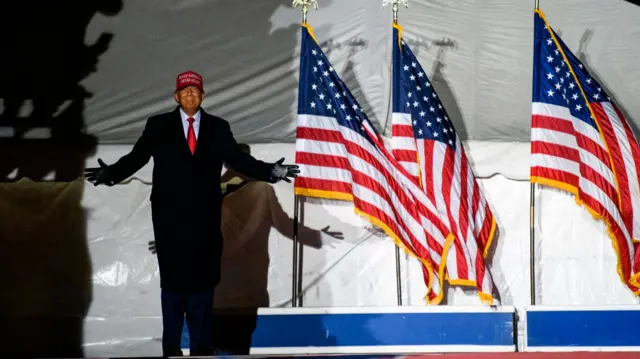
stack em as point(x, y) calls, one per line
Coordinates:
point(394, 6)
point(305, 7)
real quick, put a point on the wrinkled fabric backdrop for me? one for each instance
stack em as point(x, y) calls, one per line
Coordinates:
point(92, 241)
point(478, 54)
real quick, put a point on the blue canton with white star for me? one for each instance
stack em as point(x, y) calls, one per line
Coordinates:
point(322, 93)
point(414, 94)
point(553, 82)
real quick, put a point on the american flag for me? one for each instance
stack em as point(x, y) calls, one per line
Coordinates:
point(581, 143)
point(426, 143)
point(341, 156)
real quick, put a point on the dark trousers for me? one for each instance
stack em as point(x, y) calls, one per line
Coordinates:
point(233, 330)
point(198, 308)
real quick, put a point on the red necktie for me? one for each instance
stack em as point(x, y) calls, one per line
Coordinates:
point(191, 136)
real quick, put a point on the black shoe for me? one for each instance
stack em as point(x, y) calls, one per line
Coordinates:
point(207, 353)
point(175, 354)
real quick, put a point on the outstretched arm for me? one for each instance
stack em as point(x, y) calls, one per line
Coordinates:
point(126, 166)
point(139, 156)
point(241, 161)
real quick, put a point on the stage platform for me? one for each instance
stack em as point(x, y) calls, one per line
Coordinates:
point(380, 330)
point(582, 328)
point(398, 332)
point(571, 355)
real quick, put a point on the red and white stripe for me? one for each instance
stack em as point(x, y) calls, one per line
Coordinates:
point(448, 180)
point(339, 163)
point(569, 154)
point(625, 158)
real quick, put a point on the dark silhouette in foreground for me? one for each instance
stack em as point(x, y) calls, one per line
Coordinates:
point(46, 267)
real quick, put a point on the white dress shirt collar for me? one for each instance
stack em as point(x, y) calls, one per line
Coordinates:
point(184, 116)
point(185, 123)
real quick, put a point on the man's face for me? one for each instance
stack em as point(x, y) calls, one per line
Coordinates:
point(189, 98)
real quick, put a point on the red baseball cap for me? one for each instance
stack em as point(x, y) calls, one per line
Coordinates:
point(189, 78)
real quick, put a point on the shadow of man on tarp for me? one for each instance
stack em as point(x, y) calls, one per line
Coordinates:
point(46, 268)
point(246, 262)
point(249, 212)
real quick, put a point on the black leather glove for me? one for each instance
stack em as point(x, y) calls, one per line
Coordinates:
point(99, 175)
point(283, 172)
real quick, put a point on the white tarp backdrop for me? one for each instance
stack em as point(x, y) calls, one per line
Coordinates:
point(479, 54)
point(247, 52)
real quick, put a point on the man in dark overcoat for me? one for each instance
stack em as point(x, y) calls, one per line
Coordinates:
point(188, 147)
